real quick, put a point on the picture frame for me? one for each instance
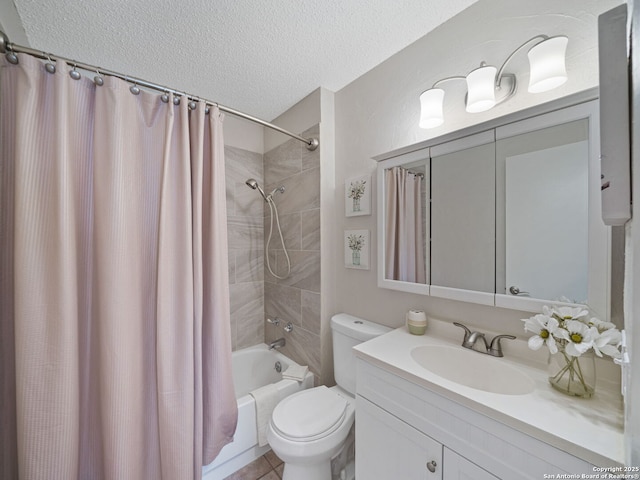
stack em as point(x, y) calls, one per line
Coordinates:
point(357, 249)
point(357, 196)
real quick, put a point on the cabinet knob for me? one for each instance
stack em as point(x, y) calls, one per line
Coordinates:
point(431, 466)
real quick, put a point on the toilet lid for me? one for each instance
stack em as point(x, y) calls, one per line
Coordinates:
point(310, 414)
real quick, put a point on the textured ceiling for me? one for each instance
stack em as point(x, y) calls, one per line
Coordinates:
point(260, 57)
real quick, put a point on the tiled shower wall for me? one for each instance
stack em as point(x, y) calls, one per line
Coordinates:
point(295, 299)
point(246, 247)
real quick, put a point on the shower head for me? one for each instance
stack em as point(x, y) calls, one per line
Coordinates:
point(254, 184)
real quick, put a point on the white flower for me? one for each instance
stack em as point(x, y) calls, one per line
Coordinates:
point(607, 342)
point(580, 338)
point(567, 313)
point(601, 325)
point(571, 330)
point(544, 328)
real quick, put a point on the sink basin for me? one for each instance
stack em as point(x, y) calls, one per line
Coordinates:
point(473, 369)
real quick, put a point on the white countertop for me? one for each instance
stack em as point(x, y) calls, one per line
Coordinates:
point(590, 429)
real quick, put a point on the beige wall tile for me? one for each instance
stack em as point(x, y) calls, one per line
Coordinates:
point(283, 302)
point(246, 298)
point(303, 346)
point(302, 192)
point(305, 270)
point(283, 161)
point(249, 266)
point(250, 330)
point(291, 231)
point(310, 226)
point(245, 233)
point(242, 164)
point(311, 319)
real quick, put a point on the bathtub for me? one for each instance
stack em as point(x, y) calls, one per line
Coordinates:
point(253, 367)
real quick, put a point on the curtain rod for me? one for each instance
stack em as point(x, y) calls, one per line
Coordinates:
point(10, 48)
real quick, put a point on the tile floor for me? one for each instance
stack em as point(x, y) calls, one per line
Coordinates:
point(267, 467)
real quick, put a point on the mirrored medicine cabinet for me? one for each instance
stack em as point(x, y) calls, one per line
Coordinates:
point(506, 213)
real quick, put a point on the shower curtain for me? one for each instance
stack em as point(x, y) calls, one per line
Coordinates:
point(114, 336)
point(405, 239)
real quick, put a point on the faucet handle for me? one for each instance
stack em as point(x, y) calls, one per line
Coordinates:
point(275, 321)
point(495, 348)
point(467, 332)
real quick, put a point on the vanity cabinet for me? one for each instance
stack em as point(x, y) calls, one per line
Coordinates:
point(414, 456)
point(391, 448)
point(402, 426)
point(459, 468)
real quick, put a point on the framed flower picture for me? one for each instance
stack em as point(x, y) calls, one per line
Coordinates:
point(357, 196)
point(356, 249)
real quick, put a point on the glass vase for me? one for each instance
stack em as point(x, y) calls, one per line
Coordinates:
point(356, 204)
point(575, 376)
point(355, 257)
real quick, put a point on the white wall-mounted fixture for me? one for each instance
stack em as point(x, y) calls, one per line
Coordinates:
point(487, 86)
point(615, 141)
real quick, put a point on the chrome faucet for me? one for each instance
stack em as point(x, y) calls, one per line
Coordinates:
point(281, 342)
point(495, 348)
point(470, 338)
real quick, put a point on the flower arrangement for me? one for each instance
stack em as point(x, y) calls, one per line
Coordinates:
point(571, 332)
point(356, 189)
point(571, 328)
point(356, 242)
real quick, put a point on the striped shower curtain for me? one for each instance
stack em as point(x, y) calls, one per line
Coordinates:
point(115, 347)
point(404, 236)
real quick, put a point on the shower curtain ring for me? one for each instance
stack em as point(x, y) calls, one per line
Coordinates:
point(176, 99)
point(193, 104)
point(134, 89)
point(165, 96)
point(98, 79)
point(49, 66)
point(11, 55)
point(74, 73)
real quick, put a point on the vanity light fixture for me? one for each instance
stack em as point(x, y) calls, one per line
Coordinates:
point(487, 86)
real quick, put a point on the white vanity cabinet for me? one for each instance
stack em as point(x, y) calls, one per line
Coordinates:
point(390, 448)
point(402, 426)
point(459, 468)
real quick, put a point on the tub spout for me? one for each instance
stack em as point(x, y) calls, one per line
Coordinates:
point(281, 342)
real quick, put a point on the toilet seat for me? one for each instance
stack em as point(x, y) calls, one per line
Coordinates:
point(309, 415)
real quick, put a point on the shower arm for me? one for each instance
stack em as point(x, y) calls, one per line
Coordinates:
point(11, 48)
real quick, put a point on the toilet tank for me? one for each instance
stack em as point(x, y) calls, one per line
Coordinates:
point(349, 331)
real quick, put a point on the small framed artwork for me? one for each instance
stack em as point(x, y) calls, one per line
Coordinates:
point(357, 196)
point(356, 249)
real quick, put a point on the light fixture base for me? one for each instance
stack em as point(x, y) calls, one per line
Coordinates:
point(506, 87)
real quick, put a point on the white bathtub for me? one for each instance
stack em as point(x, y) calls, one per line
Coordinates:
point(253, 367)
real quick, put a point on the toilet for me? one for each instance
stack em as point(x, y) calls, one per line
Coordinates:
point(310, 428)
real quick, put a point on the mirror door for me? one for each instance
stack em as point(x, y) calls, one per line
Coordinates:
point(463, 219)
point(403, 236)
point(551, 243)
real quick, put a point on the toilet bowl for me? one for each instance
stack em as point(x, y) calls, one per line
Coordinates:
point(309, 428)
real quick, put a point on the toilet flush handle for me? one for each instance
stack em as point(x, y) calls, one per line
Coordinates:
point(431, 466)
